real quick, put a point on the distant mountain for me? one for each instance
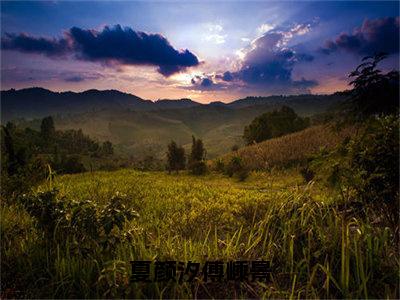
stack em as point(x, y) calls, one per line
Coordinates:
point(38, 102)
point(172, 104)
point(141, 127)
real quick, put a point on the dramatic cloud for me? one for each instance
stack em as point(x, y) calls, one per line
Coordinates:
point(268, 62)
point(206, 83)
point(25, 43)
point(112, 45)
point(379, 35)
point(227, 76)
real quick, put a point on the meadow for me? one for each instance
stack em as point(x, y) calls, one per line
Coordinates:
point(316, 249)
point(291, 149)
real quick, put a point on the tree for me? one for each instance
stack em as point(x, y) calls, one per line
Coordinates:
point(197, 157)
point(373, 93)
point(47, 129)
point(274, 124)
point(175, 157)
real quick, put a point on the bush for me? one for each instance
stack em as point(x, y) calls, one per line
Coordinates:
point(219, 166)
point(365, 169)
point(84, 221)
point(237, 168)
point(198, 167)
point(72, 165)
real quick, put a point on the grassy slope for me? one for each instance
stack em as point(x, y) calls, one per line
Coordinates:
point(144, 133)
point(291, 148)
point(273, 216)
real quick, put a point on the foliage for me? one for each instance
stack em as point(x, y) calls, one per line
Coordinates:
point(197, 165)
point(219, 165)
point(373, 92)
point(366, 168)
point(274, 124)
point(63, 150)
point(68, 164)
point(81, 221)
point(175, 157)
point(20, 170)
point(315, 251)
point(236, 167)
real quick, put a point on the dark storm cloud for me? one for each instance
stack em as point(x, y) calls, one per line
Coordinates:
point(379, 35)
point(226, 76)
point(205, 83)
point(129, 47)
point(113, 45)
point(269, 63)
point(28, 44)
point(266, 65)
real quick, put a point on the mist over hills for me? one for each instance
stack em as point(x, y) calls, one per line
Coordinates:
point(141, 127)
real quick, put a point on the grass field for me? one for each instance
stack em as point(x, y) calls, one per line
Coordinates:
point(290, 149)
point(315, 249)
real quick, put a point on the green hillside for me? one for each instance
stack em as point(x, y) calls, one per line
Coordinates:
point(292, 148)
point(139, 128)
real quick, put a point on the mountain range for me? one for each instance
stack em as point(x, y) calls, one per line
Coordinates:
point(141, 127)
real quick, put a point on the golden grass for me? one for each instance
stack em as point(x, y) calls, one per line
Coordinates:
point(291, 148)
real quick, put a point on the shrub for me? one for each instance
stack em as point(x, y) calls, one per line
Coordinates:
point(84, 221)
point(198, 167)
point(237, 168)
point(219, 166)
point(365, 169)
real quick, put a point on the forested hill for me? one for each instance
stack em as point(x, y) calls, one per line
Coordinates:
point(37, 102)
point(141, 127)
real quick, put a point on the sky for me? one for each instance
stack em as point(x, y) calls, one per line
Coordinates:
point(202, 50)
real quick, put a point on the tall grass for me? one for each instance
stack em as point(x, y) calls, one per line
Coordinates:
point(291, 148)
point(315, 250)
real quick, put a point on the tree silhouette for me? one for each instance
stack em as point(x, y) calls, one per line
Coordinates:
point(175, 157)
point(197, 157)
point(373, 92)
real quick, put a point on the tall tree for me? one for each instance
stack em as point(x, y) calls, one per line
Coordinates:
point(175, 157)
point(373, 92)
point(197, 157)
